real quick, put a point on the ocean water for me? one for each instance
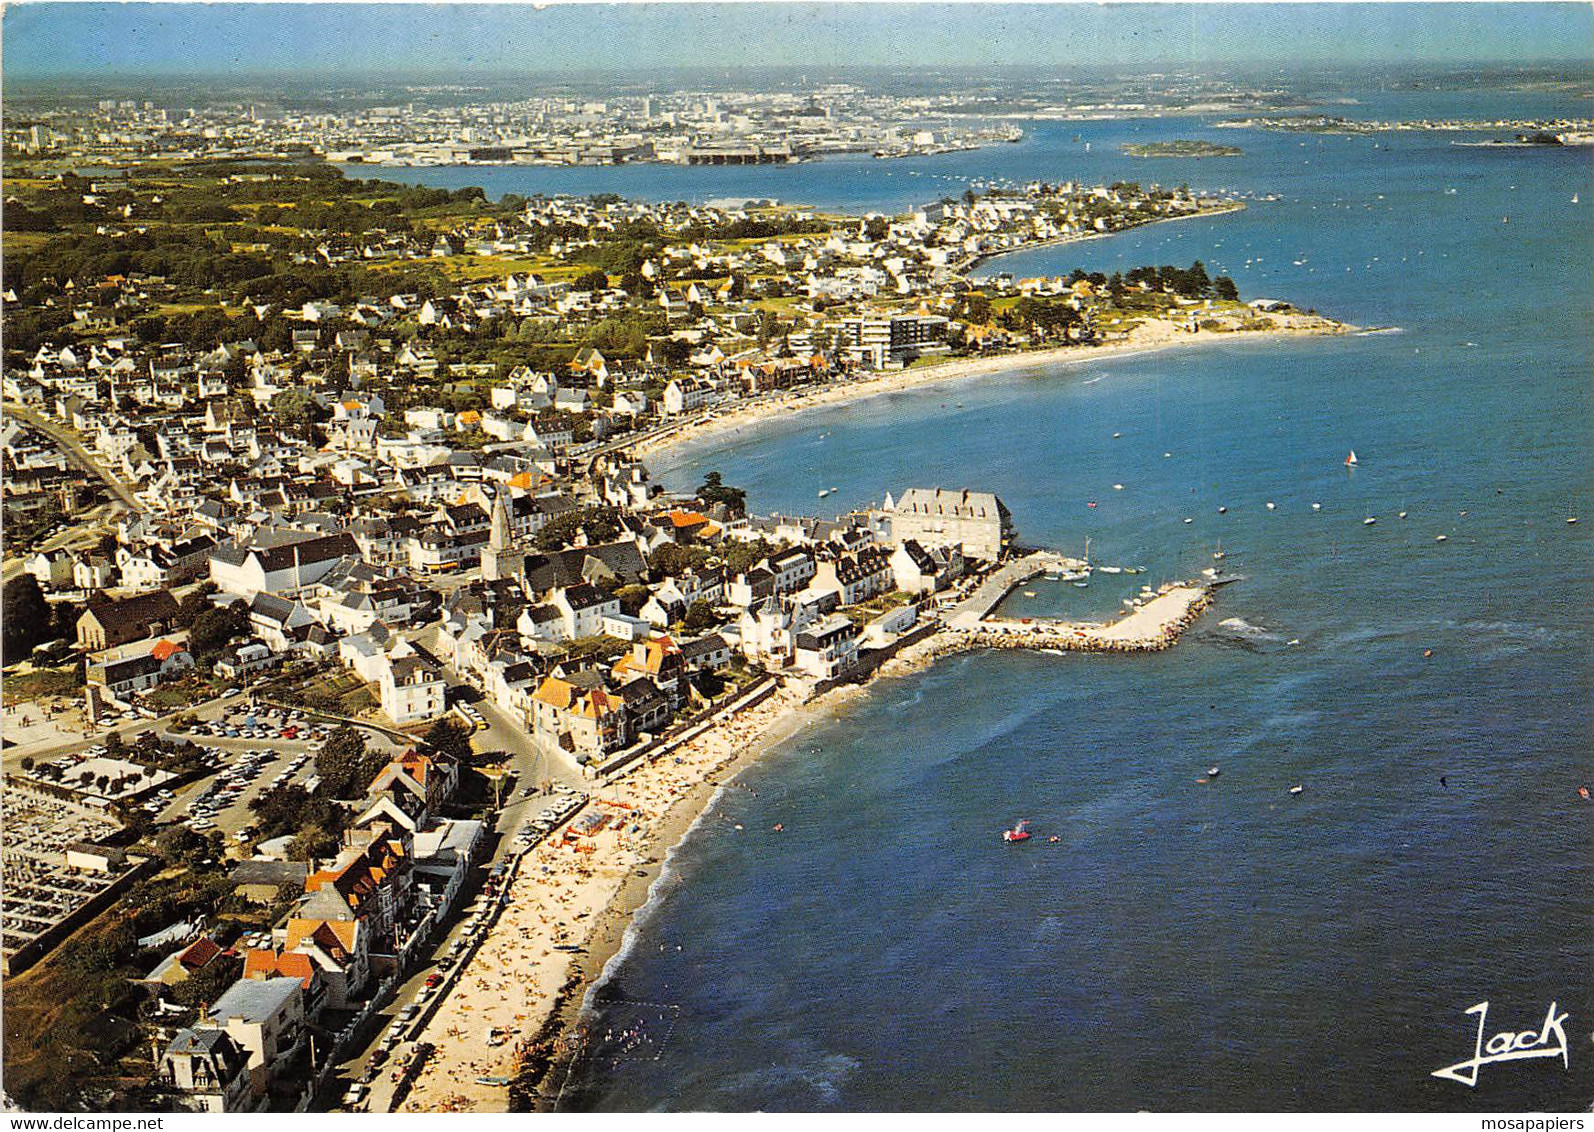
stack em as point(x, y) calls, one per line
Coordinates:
point(1187, 945)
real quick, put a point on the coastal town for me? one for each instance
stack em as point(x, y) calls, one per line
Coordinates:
point(677, 128)
point(357, 670)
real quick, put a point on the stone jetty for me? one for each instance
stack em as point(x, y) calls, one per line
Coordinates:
point(1150, 627)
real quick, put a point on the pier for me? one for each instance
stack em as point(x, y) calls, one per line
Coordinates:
point(1149, 627)
point(1152, 625)
point(978, 605)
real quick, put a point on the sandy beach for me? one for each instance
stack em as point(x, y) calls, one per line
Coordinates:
point(1152, 335)
point(580, 891)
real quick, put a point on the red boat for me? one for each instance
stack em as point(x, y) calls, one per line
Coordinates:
point(1019, 832)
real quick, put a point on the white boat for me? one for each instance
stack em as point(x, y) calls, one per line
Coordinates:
point(1441, 538)
point(1117, 487)
point(1029, 593)
point(1296, 789)
point(1081, 585)
point(1111, 569)
point(1369, 521)
point(1271, 505)
point(824, 492)
point(1351, 461)
point(1317, 507)
point(1400, 515)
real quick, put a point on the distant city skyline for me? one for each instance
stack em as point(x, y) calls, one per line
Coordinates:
point(84, 40)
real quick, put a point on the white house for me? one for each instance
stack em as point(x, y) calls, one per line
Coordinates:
point(411, 690)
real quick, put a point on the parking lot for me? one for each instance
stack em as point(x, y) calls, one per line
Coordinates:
point(256, 751)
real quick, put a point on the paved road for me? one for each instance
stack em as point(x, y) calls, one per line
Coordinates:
point(75, 450)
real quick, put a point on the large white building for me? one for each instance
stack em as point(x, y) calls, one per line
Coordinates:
point(283, 566)
point(976, 522)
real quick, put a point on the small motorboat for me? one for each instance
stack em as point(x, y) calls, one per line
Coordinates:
point(1116, 435)
point(1117, 487)
point(1212, 772)
point(1271, 505)
point(1019, 832)
point(1054, 839)
point(824, 493)
point(1297, 788)
point(1441, 538)
point(1317, 507)
point(1369, 521)
point(1223, 510)
point(1081, 585)
point(1111, 569)
point(1189, 520)
point(1400, 515)
point(1571, 520)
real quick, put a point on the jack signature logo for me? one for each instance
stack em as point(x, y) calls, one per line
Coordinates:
point(1508, 1045)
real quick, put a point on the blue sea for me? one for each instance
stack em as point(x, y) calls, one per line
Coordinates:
point(1184, 944)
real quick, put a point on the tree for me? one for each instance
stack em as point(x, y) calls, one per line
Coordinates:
point(600, 524)
point(451, 739)
point(713, 490)
point(699, 617)
point(313, 841)
point(298, 412)
point(345, 766)
point(205, 985)
point(26, 617)
point(194, 604)
point(213, 629)
point(671, 559)
point(593, 280)
point(1223, 287)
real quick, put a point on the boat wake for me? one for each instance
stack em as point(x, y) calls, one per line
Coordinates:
point(803, 1083)
point(1380, 330)
point(1237, 632)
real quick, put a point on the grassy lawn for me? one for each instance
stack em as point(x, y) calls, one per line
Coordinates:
point(42, 682)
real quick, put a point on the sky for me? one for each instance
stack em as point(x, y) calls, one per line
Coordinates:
point(93, 39)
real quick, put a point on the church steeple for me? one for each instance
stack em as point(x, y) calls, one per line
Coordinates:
point(499, 538)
